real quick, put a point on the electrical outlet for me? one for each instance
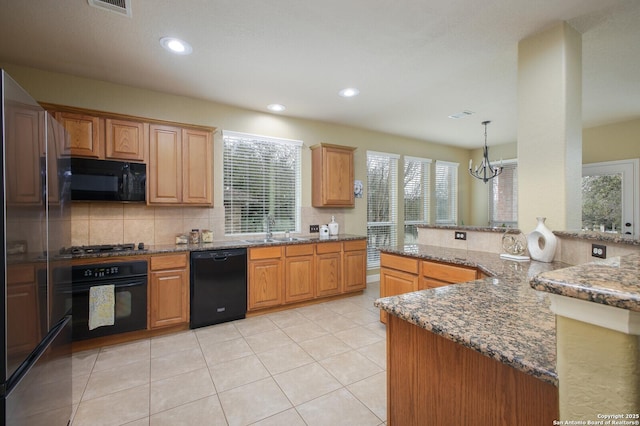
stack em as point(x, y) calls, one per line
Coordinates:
point(460, 235)
point(314, 228)
point(598, 250)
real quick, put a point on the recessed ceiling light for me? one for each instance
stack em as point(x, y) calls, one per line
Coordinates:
point(349, 92)
point(276, 107)
point(175, 45)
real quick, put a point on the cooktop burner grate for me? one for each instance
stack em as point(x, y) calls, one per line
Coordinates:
point(103, 248)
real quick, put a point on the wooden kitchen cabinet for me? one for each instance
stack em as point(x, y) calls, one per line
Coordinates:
point(299, 267)
point(436, 274)
point(168, 290)
point(354, 263)
point(22, 310)
point(126, 140)
point(86, 134)
point(398, 275)
point(180, 166)
point(25, 128)
point(332, 176)
point(328, 269)
point(266, 277)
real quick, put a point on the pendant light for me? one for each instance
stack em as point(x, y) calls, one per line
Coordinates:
point(485, 171)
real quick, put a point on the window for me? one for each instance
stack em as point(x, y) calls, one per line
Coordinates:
point(416, 196)
point(503, 196)
point(608, 193)
point(446, 193)
point(261, 178)
point(382, 201)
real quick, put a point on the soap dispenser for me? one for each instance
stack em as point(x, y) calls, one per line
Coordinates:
point(333, 226)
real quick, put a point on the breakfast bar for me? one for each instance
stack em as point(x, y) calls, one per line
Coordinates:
point(484, 350)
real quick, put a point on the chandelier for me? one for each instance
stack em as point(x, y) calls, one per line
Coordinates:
point(485, 171)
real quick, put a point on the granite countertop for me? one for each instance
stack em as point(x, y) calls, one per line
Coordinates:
point(501, 317)
point(613, 282)
point(500, 229)
point(217, 245)
point(607, 237)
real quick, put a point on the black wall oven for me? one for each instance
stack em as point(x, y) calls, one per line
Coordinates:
point(129, 302)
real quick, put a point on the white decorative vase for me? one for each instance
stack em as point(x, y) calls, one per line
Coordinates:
point(541, 242)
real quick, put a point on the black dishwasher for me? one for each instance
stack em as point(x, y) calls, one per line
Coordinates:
point(218, 286)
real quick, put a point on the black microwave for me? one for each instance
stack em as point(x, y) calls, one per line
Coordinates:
point(102, 180)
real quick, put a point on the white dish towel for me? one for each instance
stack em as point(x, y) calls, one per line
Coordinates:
point(101, 306)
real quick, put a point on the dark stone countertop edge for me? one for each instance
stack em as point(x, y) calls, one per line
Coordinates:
point(217, 245)
point(612, 282)
point(599, 236)
point(499, 229)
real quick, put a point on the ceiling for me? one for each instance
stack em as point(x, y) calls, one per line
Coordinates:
point(415, 62)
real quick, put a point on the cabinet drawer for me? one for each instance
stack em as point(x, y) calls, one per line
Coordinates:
point(169, 262)
point(400, 263)
point(322, 248)
point(21, 274)
point(265, 253)
point(299, 250)
point(355, 245)
point(448, 273)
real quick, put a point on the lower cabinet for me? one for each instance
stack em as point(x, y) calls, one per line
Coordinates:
point(281, 275)
point(299, 271)
point(169, 290)
point(328, 269)
point(265, 277)
point(402, 274)
point(23, 331)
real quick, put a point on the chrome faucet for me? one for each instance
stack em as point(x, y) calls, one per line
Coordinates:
point(270, 222)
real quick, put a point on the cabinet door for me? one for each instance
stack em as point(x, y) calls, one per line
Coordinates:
point(86, 134)
point(328, 274)
point(393, 282)
point(299, 278)
point(164, 177)
point(23, 152)
point(126, 140)
point(338, 177)
point(197, 167)
point(23, 332)
point(332, 176)
point(169, 296)
point(355, 270)
point(265, 283)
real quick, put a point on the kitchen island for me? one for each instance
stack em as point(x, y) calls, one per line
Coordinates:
point(477, 353)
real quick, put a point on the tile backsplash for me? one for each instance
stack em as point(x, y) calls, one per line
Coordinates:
point(112, 223)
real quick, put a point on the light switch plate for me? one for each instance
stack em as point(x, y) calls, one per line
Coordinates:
point(460, 235)
point(314, 228)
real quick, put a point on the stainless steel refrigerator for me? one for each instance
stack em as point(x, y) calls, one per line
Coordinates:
point(35, 337)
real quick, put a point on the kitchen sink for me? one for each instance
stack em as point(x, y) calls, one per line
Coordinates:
point(274, 240)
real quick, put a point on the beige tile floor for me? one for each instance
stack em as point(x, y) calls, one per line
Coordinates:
point(323, 364)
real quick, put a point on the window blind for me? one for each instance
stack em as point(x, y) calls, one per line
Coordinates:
point(416, 196)
point(382, 202)
point(503, 196)
point(261, 178)
point(446, 193)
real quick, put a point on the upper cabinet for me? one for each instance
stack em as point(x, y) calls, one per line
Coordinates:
point(180, 166)
point(332, 176)
point(86, 134)
point(126, 139)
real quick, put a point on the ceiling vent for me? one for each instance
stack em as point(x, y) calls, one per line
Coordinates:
point(121, 7)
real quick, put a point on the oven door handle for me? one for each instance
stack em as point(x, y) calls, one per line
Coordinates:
point(86, 286)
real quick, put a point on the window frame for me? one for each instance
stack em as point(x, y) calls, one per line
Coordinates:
point(268, 141)
point(452, 192)
point(373, 255)
point(490, 203)
point(425, 164)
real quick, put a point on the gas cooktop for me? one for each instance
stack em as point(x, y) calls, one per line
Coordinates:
point(103, 248)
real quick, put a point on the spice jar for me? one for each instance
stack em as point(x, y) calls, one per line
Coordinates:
point(194, 237)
